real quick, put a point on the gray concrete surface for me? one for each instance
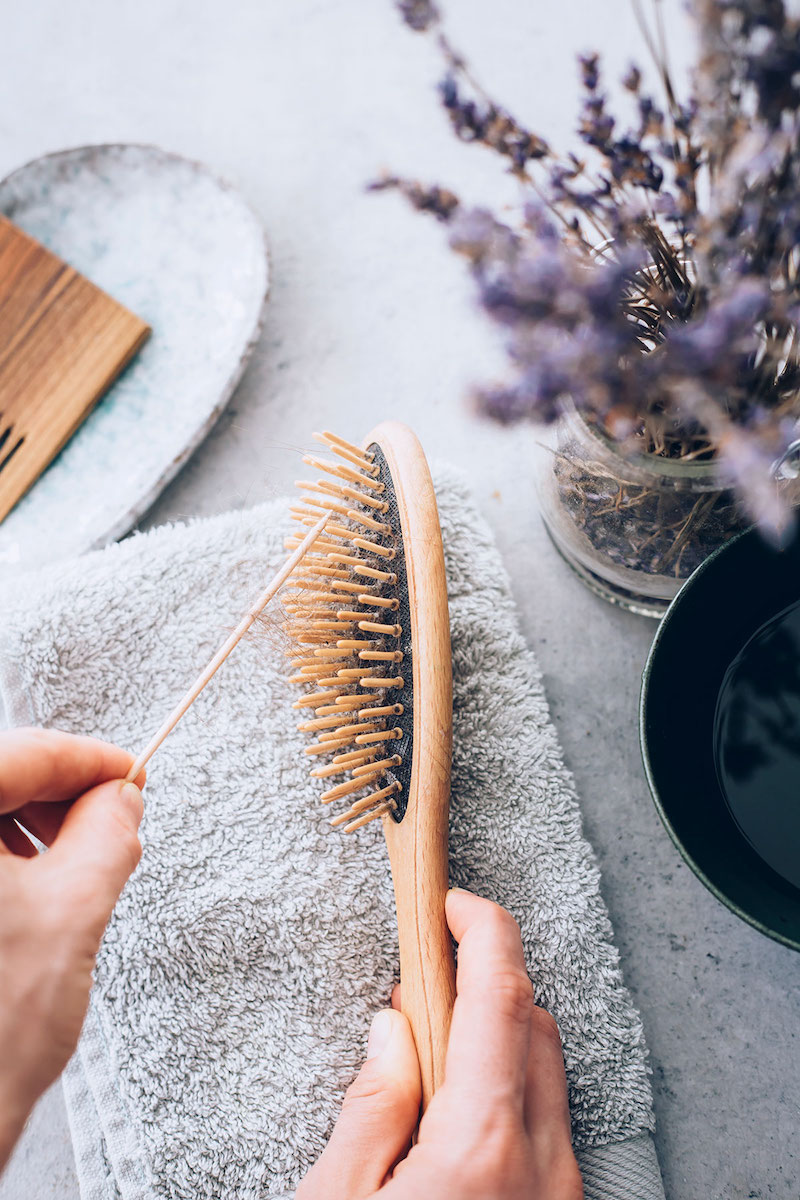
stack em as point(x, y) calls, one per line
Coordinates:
point(370, 316)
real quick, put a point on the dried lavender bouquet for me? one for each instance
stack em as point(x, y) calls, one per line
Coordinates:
point(649, 283)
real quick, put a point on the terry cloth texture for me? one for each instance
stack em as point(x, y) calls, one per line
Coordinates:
point(237, 979)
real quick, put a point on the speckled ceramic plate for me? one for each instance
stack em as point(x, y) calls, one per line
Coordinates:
point(185, 252)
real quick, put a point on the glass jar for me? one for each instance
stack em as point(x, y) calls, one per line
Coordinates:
point(633, 528)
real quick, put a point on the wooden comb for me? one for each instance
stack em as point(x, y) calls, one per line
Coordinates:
point(63, 342)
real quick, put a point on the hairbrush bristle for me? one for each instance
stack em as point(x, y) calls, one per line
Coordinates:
point(345, 616)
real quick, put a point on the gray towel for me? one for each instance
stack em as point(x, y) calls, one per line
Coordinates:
point(237, 979)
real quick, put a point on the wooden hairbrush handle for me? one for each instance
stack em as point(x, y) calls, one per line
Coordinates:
point(418, 855)
point(418, 844)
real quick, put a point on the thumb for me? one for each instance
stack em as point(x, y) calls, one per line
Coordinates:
point(377, 1120)
point(98, 847)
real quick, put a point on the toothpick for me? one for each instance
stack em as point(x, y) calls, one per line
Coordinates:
point(225, 649)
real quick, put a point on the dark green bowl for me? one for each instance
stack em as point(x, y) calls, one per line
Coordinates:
point(725, 601)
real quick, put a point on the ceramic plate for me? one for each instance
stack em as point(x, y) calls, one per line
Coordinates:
point(184, 251)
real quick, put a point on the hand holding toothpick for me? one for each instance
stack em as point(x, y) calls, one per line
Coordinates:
point(225, 649)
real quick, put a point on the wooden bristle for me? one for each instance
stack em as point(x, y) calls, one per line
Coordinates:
point(376, 627)
point(315, 698)
point(384, 735)
point(358, 588)
point(352, 785)
point(368, 808)
point(357, 763)
point(326, 747)
point(384, 710)
point(375, 548)
point(342, 704)
point(353, 756)
point(350, 728)
point(373, 502)
point(350, 559)
point(369, 522)
point(335, 439)
point(370, 816)
point(344, 472)
point(345, 586)
point(331, 769)
point(374, 573)
point(320, 723)
point(347, 451)
point(326, 502)
point(394, 761)
point(388, 602)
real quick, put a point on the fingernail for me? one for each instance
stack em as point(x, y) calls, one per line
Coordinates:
point(130, 794)
point(462, 891)
point(379, 1033)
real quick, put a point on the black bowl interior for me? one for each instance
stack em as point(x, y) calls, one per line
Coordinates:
point(727, 599)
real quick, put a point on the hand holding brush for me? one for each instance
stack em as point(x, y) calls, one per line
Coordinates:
point(498, 1128)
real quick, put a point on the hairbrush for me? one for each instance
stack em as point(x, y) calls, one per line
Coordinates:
point(368, 621)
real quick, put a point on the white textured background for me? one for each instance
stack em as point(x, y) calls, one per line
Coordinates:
point(300, 103)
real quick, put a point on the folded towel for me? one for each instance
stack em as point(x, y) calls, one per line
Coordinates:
point(237, 979)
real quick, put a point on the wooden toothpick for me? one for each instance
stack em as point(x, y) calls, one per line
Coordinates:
point(225, 649)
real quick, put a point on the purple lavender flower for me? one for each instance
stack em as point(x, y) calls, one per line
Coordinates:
point(438, 201)
point(670, 323)
point(419, 15)
point(632, 78)
point(746, 464)
point(485, 122)
point(711, 346)
point(590, 70)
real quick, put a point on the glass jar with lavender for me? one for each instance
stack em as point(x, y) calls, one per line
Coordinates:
point(632, 527)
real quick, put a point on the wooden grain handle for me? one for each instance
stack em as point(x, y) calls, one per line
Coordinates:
point(427, 972)
point(418, 845)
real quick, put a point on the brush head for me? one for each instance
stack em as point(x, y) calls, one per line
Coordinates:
point(349, 620)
